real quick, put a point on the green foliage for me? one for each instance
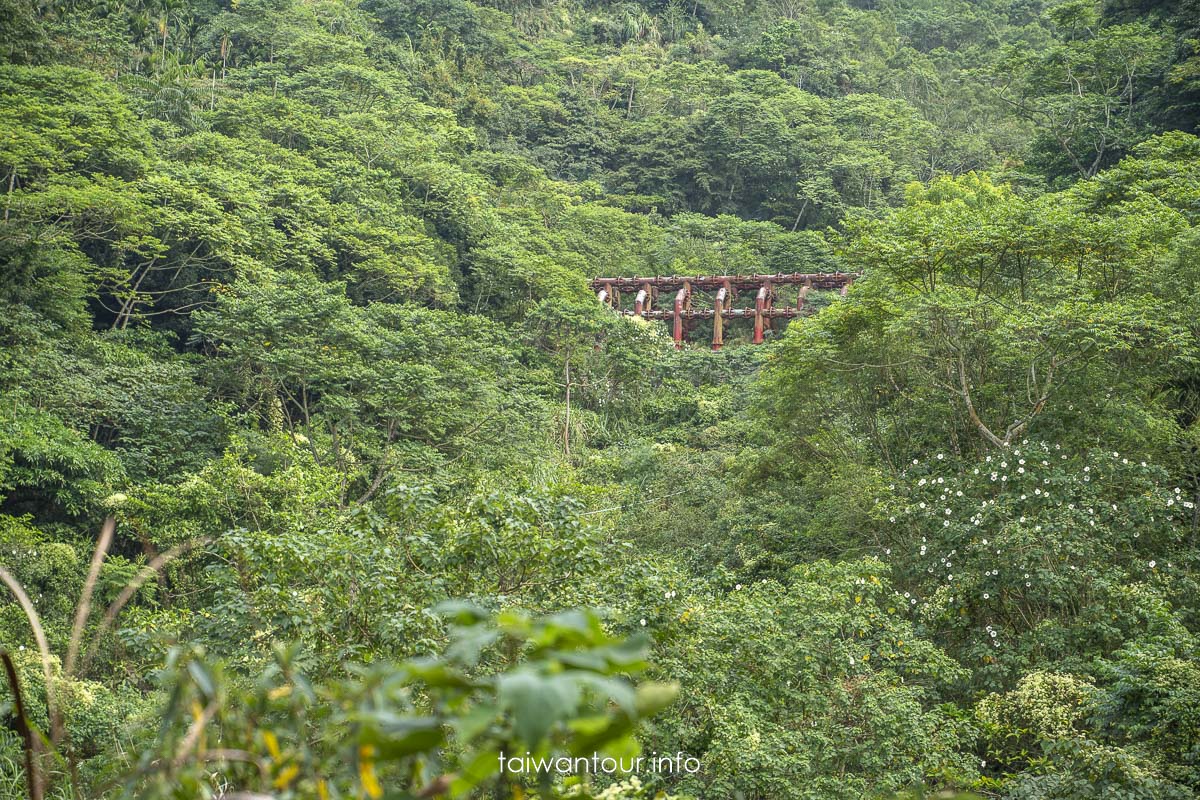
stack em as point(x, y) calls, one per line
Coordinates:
point(442, 725)
point(810, 688)
point(298, 293)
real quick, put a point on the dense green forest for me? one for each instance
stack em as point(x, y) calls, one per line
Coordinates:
point(323, 473)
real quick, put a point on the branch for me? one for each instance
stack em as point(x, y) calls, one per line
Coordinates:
point(33, 778)
point(39, 635)
point(84, 608)
point(1015, 429)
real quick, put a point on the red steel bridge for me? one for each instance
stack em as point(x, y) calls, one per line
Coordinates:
point(723, 289)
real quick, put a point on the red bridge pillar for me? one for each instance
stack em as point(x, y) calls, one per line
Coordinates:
point(644, 301)
point(683, 302)
point(723, 302)
point(760, 308)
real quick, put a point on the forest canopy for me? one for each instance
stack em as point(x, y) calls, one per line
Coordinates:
point(324, 474)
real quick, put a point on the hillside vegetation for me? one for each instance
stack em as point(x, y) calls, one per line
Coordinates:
point(323, 474)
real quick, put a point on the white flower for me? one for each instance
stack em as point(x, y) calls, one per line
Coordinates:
point(643, 622)
point(1152, 564)
point(986, 595)
point(737, 588)
point(939, 456)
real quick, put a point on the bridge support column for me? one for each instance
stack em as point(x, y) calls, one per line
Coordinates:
point(722, 304)
point(760, 308)
point(802, 298)
point(683, 301)
point(644, 301)
point(605, 294)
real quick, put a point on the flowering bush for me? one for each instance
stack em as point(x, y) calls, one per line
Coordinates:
point(1033, 551)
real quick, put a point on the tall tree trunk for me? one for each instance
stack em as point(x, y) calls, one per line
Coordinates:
point(567, 426)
